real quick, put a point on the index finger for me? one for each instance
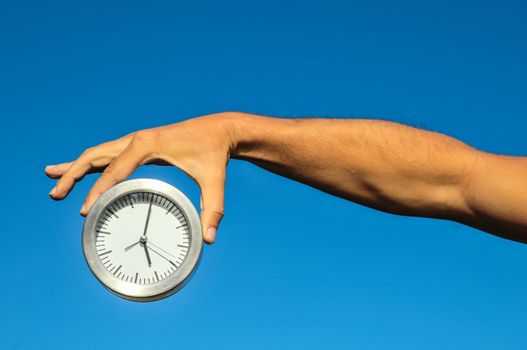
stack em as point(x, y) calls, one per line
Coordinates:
point(117, 171)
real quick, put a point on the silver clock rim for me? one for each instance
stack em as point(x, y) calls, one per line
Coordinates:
point(129, 290)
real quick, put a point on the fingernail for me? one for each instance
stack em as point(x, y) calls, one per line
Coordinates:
point(83, 209)
point(52, 192)
point(211, 233)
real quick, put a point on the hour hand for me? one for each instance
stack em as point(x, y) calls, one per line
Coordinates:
point(147, 255)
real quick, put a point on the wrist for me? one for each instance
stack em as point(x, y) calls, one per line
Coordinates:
point(255, 137)
point(242, 130)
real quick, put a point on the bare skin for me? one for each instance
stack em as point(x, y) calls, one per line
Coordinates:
point(382, 165)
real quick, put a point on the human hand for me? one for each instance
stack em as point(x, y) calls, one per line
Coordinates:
point(201, 147)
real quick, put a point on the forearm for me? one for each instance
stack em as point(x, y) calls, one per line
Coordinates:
point(393, 168)
point(384, 165)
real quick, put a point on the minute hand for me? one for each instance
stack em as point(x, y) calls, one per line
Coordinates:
point(147, 218)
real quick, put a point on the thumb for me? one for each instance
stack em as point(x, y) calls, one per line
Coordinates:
point(211, 206)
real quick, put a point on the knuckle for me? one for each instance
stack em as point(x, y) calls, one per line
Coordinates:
point(218, 211)
point(144, 137)
point(144, 144)
point(92, 163)
point(87, 152)
point(78, 177)
point(109, 174)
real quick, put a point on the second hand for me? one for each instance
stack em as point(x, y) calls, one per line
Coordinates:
point(161, 255)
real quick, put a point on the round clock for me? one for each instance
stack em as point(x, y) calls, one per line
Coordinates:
point(142, 239)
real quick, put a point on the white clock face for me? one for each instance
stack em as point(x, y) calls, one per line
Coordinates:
point(142, 238)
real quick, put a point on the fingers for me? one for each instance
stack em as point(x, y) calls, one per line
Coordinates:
point(91, 160)
point(56, 171)
point(212, 198)
point(74, 173)
point(118, 170)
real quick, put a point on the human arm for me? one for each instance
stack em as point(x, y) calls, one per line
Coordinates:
point(383, 165)
point(394, 168)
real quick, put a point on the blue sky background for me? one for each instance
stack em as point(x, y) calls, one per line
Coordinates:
point(292, 267)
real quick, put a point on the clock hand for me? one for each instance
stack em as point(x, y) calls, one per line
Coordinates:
point(131, 246)
point(147, 255)
point(164, 257)
point(150, 242)
point(147, 218)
